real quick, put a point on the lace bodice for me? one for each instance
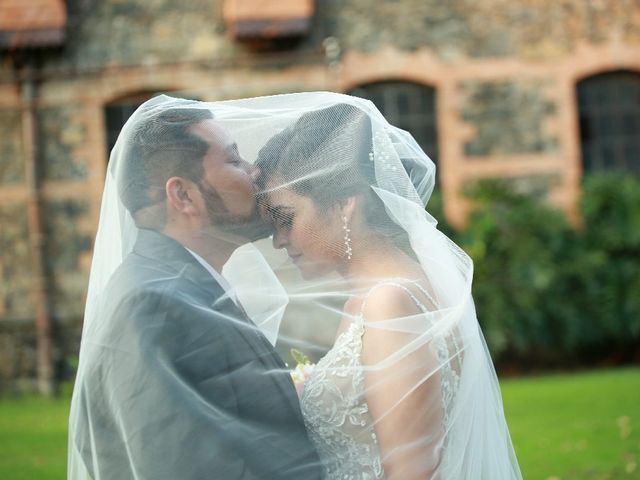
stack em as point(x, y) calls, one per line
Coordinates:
point(335, 409)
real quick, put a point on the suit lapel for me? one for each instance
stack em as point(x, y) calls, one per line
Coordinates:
point(262, 348)
point(166, 251)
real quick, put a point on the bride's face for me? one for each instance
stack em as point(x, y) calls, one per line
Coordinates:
point(312, 236)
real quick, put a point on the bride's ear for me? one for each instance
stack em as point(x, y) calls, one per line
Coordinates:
point(180, 195)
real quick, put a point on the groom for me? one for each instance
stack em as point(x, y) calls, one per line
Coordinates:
point(177, 382)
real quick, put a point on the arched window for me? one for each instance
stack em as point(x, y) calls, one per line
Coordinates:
point(409, 106)
point(609, 109)
point(117, 112)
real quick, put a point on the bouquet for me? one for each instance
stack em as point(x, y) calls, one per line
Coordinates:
point(303, 370)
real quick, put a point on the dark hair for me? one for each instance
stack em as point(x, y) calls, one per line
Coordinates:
point(161, 146)
point(325, 156)
point(332, 144)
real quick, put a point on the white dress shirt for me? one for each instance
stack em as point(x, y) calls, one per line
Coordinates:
point(217, 277)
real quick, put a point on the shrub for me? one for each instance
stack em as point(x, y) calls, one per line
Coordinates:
point(610, 207)
point(547, 293)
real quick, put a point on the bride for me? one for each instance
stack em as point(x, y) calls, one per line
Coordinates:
point(407, 389)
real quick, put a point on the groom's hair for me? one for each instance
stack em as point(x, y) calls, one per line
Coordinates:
point(161, 146)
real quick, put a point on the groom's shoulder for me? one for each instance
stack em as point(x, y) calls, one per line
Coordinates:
point(140, 295)
point(137, 274)
point(144, 282)
point(139, 285)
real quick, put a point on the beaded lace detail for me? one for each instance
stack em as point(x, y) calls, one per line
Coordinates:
point(335, 409)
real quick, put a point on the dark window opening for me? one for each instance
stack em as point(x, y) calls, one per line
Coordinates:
point(118, 112)
point(409, 106)
point(609, 112)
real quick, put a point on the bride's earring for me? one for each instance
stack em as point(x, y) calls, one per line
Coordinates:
point(347, 237)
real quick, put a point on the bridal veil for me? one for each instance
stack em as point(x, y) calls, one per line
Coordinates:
point(369, 183)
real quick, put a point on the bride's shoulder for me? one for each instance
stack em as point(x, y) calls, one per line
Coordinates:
point(388, 300)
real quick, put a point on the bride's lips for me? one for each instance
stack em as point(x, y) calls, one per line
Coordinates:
point(294, 258)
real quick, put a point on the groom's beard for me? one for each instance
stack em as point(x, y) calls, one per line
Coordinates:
point(249, 228)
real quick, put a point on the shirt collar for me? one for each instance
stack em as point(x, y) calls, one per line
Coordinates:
point(217, 277)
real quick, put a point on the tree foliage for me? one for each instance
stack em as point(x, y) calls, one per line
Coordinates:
point(547, 292)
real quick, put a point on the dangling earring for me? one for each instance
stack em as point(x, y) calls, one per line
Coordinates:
point(347, 237)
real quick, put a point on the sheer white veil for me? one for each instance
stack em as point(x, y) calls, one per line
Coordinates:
point(117, 231)
point(118, 392)
point(355, 229)
point(334, 148)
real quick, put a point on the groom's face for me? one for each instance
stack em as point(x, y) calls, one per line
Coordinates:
point(228, 186)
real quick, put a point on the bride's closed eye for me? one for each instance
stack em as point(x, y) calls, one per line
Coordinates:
point(283, 220)
point(282, 217)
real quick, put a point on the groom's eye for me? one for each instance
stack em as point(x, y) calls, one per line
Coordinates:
point(233, 155)
point(234, 160)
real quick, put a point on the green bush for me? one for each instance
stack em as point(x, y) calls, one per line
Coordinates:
point(548, 293)
point(610, 206)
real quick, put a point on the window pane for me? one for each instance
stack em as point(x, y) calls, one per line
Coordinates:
point(408, 106)
point(609, 112)
point(404, 101)
point(116, 116)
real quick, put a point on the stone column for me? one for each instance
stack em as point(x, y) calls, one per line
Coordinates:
point(28, 89)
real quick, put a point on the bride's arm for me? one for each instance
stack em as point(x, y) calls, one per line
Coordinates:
point(402, 388)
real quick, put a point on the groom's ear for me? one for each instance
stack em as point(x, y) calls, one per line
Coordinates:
point(180, 196)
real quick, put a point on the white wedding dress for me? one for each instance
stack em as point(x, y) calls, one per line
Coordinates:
point(335, 409)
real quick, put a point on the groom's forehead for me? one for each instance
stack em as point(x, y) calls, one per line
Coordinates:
point(218, 138)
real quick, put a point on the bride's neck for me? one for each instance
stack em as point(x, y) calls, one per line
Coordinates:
point(377, 260)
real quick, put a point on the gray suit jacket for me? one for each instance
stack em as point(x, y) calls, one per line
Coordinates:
point(178, 384)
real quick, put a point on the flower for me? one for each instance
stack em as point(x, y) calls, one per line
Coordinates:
point(304, 369)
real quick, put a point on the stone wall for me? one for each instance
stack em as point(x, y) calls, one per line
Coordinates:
point(16, 302)
point(18, 357)
point(459, 29)
point(17, 335)
point(143, 31)
point(58, 134)
point(133, 32)
point(67, 252)
point(508, 118)
point(503, 72)
point(11, 162)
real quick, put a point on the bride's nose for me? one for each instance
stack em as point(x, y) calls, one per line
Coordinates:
point(254, 172)
point(279, 239)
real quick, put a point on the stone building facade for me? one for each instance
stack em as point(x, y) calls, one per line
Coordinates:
point(499, 80)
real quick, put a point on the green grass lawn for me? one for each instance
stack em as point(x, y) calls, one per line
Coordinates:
point(564, 427)
point(579, 426)
point(33, 438)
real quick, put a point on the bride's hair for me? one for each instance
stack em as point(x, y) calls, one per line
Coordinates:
point(327, 156)
point(160, 146)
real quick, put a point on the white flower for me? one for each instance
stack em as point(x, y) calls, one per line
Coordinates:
point(302, 372)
